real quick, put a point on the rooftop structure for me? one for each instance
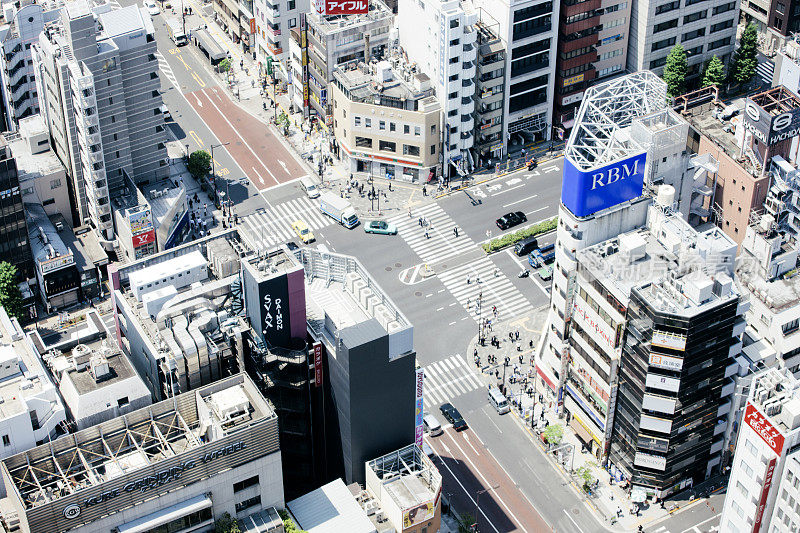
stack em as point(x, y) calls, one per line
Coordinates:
point(330, 509)
point(31, 410)
point(599, 135)
point(192, 446)
point(381, 84)
point(96, 381)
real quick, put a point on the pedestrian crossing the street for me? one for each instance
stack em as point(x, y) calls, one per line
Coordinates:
point(272, 226)
point(441, 241)
point(166, 69)
point(479, 286)
point(448, 379)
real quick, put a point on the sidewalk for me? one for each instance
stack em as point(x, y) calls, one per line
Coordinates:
point(533, 405)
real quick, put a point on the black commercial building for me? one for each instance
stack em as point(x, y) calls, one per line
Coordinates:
point(673, 390)
point(14, 245)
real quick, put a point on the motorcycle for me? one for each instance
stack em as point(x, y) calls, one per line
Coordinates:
point(524, 274)
point(532, 164)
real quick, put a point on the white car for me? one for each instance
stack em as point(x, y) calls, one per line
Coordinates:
point(152, 8)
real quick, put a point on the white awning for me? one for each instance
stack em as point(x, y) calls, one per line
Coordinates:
point(166, 515)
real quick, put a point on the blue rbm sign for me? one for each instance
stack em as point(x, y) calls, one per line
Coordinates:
point(590, 191)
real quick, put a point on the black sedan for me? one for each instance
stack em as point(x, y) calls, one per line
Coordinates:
point(453, 416)
point(510, 220)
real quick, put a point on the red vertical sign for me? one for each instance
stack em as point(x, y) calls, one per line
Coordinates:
point(317, 364)
point(764, 494)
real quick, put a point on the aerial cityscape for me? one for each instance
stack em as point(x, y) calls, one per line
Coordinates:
point(407, 266)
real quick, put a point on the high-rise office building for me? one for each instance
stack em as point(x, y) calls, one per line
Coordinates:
point(99, 90)
point(14, 245)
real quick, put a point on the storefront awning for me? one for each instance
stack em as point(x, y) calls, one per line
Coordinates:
point(580, 431)
point(638, 494)
point(166, 515)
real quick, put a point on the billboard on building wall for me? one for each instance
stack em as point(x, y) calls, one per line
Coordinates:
point(585, 192)
point(762, 502)
point(274, 300)
point(768, 128)
point(761, 425)
point(418, 514)
point(317, 364)
point(345, 7)
point(140, 221)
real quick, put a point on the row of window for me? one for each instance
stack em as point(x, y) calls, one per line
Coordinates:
point(382, 124)
point(391, 146)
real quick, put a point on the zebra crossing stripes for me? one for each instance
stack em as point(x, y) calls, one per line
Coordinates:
point(765, 70)
point(489, 285)
point(272, 226)
point(448, 379)
point(441, 241)
point(166, 69)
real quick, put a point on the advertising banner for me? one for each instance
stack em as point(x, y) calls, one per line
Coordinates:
point(585, 192)
point(665, 339)
point(140, 221)
point(143, 239)
point(770, 129)
point(761, 425)
point(274, 298)
point(346, 7)
point(585, 316)
point(666, 362)
point(317, 364)
point(764, 494)
point(418, 407)
point(419, 514)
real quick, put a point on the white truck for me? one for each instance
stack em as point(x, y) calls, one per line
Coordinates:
point(176, 33)
point(338, 209)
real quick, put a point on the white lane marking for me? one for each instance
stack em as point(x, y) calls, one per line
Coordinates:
point(573, 521)
point(522, 200)
point(508, 190)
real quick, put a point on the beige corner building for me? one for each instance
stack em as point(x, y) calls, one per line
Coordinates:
point(386, 120)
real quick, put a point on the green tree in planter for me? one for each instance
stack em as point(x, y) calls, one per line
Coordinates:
point(226, 524)
point(675, 71)
point(554, 433)
point(224, 65)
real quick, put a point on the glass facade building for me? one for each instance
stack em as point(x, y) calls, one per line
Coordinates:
point(14, 246)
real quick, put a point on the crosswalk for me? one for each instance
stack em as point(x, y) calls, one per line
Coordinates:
point(166, 69)
point(448, 379)
point(765, 70)
point(441, 242)
point(481, 280)
point(271, 226)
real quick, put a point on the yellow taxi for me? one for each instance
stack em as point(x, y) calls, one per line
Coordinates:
point(301, 228)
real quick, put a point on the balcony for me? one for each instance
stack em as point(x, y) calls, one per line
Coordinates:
point(466, 82)
point(275, 31)
point(467, 118)
point(274, 48)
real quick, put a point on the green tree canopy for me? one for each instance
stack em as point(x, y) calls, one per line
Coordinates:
point(224, 65)
point(199, 163)
point(585, 475)
point(714, 73)
point(10, 296)
point(745, 60)
point(554, 433)
point(226, 524)
point(675, 71)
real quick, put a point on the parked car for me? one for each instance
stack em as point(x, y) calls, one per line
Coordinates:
point(381, 226)
point(301, 228)
point(453, 416)
point(152, 7)
point(509, 220)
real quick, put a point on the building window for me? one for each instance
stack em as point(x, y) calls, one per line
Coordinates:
point(433, 129)
point(292, 23)
point(382, 125)
point(746, 468)
point(694, 17)
point(249, 502)
point(368, 122)
point(453, 96)
point(122, 402)
point(452, 113)
point(721, 26)
point(363, 142)
point(719, 44)
point(55, 184)
point(409, 149)
point(665, 25)
point(454, 42)
point(392, 126)
point(406, 129)
point(669, 6)
point(660, 45)
point(290, 5)
point(357, 121)
point(454, 23)
point(724, 8)
point(454, 60)
point(417, 131)
point(245, 483)
point(387, 146)
point(750, 447)
point(433, 149)
point(34, 420)
point(454, 77)
point(6, 441)
point(688, 36)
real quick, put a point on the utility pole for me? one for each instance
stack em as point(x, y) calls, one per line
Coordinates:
point(213, 168)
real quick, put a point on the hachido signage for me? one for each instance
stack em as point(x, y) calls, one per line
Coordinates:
point(158, 479)
point(761, 425)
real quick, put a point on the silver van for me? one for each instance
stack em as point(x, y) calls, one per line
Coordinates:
point(309, 186)
point(431, 425)
point(498, 401)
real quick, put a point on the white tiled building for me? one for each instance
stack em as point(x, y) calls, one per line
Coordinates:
point(440, 36)
point(764, 486)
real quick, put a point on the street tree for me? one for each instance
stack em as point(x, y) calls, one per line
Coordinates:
point(675, 71)
point(745, 60)
point(224, 65)
point(585, 475)
point(714, 73)
point(10, 296)
point(554, 433)
point(199, 164)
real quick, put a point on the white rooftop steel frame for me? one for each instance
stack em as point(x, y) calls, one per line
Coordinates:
point(608, 108)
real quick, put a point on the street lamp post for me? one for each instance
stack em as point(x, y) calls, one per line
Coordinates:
point(213, 168)
point(477, 504)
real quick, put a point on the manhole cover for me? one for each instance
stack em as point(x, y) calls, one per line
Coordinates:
point(388, 269)
point(576, 511)
point(418, 293)
point(397, 265)
point(444, 266)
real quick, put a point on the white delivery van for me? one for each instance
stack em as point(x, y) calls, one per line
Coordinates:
point(498, 401)
point(431, 425)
